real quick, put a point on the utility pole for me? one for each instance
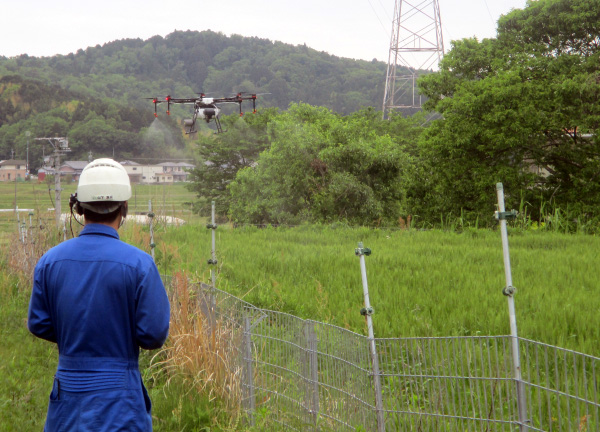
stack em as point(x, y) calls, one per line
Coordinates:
point(416, 45)
point(27, 134)
point(12, 156)
point(60, 146)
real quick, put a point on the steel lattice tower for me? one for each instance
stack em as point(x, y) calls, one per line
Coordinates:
point(416, 44)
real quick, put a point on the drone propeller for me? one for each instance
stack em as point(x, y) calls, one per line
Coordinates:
point(252, 97)
point(155, 100)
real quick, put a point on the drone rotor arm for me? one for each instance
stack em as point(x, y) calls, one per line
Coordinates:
point(168, 99)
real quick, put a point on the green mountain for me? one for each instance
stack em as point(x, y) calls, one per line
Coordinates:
point(96, 96)
point(184, 63)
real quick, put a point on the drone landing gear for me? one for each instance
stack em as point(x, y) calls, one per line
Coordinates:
point(218, 124)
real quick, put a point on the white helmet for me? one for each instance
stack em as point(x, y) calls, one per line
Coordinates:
point(103, 180)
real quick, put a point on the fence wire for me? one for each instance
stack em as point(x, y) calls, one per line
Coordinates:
point(306, 375)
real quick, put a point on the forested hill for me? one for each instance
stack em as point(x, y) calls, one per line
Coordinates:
point(96, 96)
point(185, 63)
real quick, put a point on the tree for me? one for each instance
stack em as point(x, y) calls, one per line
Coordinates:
point(220, 156)
point(521, 109)
point(323, 167)
point(97, 135)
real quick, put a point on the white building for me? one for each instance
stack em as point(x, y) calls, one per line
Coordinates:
point(165, 172)
point(178, 170)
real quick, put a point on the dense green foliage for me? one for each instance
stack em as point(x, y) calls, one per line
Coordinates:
point(523, 109)
point(220, 157)
point(321, 166)
point(100, 126)
point(183, 63)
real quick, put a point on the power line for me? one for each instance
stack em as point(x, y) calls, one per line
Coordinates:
point(377, 16)
point(489, 12)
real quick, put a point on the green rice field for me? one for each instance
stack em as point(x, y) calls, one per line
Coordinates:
point(40, 195)
point(422, 283)
point(173, 199)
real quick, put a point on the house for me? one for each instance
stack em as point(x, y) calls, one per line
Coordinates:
point(164, 177)
point(142, 173)
point(72, 168)
point(179, 170)
point(164, 172)
point(134, 170)
point(13, 169)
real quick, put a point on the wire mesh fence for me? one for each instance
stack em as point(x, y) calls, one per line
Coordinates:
point(307, 375)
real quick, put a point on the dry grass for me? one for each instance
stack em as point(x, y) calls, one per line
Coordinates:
point(201, 348)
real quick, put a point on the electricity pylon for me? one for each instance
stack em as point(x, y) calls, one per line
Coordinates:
point(416, 45)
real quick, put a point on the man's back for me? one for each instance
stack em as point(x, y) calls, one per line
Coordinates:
point(100, 300)
point(99, 290)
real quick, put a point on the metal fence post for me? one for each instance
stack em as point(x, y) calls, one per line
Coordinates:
point(18, 220)
point(151, 216)
point(367, 311)
point(213, 252)
point(212, 261)
point(312, 393)
point(23, 232)
point(502, 215)
point(249, 373)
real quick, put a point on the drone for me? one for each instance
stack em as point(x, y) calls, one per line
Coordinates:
point(205, 108)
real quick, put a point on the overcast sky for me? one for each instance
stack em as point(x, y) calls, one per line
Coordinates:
point(347, 28)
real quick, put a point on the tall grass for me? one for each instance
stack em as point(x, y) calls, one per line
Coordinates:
point(547, 216)
point(26, 366)
point(199, 348)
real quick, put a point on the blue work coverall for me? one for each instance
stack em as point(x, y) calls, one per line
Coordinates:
point(100, 300)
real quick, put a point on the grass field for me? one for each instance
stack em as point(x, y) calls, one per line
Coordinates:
point(422, 283)
point(34, 195)
point(173, 199)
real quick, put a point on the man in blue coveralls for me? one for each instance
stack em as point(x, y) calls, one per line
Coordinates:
point(99, 300)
